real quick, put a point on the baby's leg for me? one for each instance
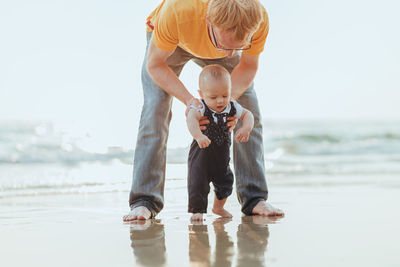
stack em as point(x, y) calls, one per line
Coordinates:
point(197, 217)
point(218, 208)
point(198, 184)
point(222, 179)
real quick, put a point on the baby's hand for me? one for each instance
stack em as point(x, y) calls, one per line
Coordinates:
point(203, 141)
point(242, 135)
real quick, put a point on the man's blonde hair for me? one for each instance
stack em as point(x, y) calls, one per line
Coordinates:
point(214, 72)
point(240, 17)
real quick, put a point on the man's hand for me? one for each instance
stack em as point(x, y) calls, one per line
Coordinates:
point(193, 102)
point(203, 122)
point(242, 135)
point(203, 141)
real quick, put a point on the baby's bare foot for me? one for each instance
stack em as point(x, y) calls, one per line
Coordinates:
point(222, 212)
point(197, 217)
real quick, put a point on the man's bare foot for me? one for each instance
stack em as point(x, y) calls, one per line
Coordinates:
point(266, 209)
point(222, 212)
point(196, 217)
point(138, 213)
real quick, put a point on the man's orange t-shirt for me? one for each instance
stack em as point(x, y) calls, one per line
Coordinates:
point(183, 23)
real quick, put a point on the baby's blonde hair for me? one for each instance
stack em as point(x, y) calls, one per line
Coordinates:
point(213, 72)
point(240, 17)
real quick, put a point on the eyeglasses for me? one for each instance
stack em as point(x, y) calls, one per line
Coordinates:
point(229, 49)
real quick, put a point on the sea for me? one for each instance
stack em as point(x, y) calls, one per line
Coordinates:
point(40, 158)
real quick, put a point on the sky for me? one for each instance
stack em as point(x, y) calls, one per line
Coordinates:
point(77, 64)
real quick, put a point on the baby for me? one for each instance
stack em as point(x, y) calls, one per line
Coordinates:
point(209, 152)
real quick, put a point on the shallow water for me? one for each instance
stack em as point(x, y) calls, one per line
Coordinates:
point(42, 158)
point(290, 147)
point(329, 225)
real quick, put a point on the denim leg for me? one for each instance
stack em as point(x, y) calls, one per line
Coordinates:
point(248, 158)
point(150, 151)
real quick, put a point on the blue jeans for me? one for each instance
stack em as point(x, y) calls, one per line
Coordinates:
point(150, 152)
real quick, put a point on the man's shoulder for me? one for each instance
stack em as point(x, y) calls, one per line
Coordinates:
point(186, 4)
point(187, 9)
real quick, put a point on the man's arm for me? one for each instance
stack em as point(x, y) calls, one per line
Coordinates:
point(243, 74)
point(163, 75)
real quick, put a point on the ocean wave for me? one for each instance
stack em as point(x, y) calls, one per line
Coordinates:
point(35, 187)
point(339, 138)
point(285, 144)
point(35, 143)
point(57, 191)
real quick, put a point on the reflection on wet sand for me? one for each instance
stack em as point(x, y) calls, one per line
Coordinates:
point(199, 246)
point(252, 241)
point(224, 249)
point(148, 243)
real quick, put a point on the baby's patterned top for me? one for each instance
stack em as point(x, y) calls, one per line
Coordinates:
point(217, 130)
point(239, 109)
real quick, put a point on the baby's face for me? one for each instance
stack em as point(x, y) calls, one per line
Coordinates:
point(216, 94)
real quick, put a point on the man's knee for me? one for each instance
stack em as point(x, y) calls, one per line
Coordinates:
point(157, 107)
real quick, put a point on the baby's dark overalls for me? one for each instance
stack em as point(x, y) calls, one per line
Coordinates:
point(210, 164)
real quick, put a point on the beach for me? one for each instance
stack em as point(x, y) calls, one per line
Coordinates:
point(62, 204)
point(71, 101)
point(70, 109)
point(327, 223)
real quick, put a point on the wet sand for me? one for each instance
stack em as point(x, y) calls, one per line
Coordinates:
point(335, 221)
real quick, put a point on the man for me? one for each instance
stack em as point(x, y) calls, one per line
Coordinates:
point(231, 33)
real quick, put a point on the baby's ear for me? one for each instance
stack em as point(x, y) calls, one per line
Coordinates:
point(200, 93)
